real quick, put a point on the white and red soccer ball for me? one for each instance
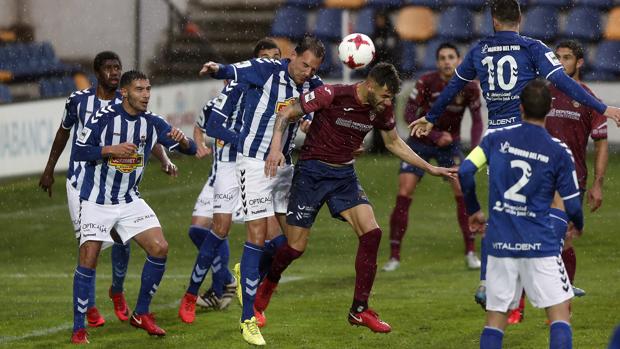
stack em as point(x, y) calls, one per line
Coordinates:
point(356, 50)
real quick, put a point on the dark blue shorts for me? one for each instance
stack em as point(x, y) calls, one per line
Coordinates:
point(446, 157)
point(316, 183)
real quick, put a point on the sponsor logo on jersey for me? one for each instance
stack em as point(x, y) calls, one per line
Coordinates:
point(93, 226)
point(509, 246)
point(126, 164)
point(287, 102)
point(515, 210)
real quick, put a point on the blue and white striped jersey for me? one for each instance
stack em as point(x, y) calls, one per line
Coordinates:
point(115, 180)
point(271, 88)
point(78, 109)
point(229, 105)
point(201, 122)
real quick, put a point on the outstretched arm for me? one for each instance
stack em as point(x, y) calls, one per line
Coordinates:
point(291, 113)
point(467, 172)
point(398, 147)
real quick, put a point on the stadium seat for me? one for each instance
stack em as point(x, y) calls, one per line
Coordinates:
point(289, 22)
point(331, 66)
point(485, 25)
point(612, 30)
point(344, 4)
point(329, 24)
point(608, 57)
point(386, 4)
point(365, 21)
point(554, 3)
point(307, 4)
point(540, 23)
point(285, 45)
point(471, 4)
point(429, 60)
point(600, 4)
point(5, 94)
point(456, 23)
point(583, 23)
point(434, 4)
point(407, 58)
point(415, 23)
point(598, 75)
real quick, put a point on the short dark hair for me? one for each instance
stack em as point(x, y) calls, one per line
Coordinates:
point(265, 44)
point(104, 56)
point(447, 45)
point(572, 45)
point(132, 75)
point(311, 43)
point(536, 99)
point(385, 74)
point(505, 11)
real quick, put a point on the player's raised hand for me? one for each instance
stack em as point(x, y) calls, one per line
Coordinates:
point(478, 223)
point(274, 159)
point(420, 127)
point(202, 151)
point(170, 169)
point(209, 68)
point(123, 149)
point(614, 114)
point(450, 173)
point(595, 197)
point(46, 181)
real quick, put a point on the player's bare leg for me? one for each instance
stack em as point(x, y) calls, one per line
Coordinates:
point(155, 245)
point(362, 220)
point(471, 260)
point(399, 219)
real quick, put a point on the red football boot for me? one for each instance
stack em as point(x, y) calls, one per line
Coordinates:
point(263, 295)
point(515, 317)
point(147, 323)
point(94, 318)
point(120, 305)
point(261, 320)
point(369, 318)
point(187, 308)
point(80, 337)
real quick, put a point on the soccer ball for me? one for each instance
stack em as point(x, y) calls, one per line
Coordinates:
point(356, 50)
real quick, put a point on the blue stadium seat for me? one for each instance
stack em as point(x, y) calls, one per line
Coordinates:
point(583, 23)
point(434, 4)
point(5, 94)
point(456, 23)
point(540, 23)
point(308, 4)
point(386, 4)
point(289, 22)
point(407, 58)
point(429, 61)
point(331, 66)
point(485, 27)
point(600, 4)
point(328, 24)
point(608, 57)
point(472, 4)
point(598, 75)
point(555, 3)
point(365, 22)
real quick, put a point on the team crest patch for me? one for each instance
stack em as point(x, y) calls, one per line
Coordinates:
point(126, 164)
point(576, 104)
point(219, 143)
point(284, 104)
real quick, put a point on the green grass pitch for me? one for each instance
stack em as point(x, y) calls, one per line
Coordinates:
point(428, 301)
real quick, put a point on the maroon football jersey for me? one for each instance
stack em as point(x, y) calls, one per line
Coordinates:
point(426, 91)
point(340, 123)
point(572, 123)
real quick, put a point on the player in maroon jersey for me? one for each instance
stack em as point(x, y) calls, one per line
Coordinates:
point(344, 114)
point(442, 144)
point(572, 123)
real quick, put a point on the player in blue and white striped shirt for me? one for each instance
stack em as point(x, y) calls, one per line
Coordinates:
point(78, 110)
point(116, 144)
point(222, 119)
point(272, 86)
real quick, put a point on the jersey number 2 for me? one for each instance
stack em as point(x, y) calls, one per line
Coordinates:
point(513, 192)
point(499, 72)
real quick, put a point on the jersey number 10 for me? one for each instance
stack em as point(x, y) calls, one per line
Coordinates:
point(499, 72)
